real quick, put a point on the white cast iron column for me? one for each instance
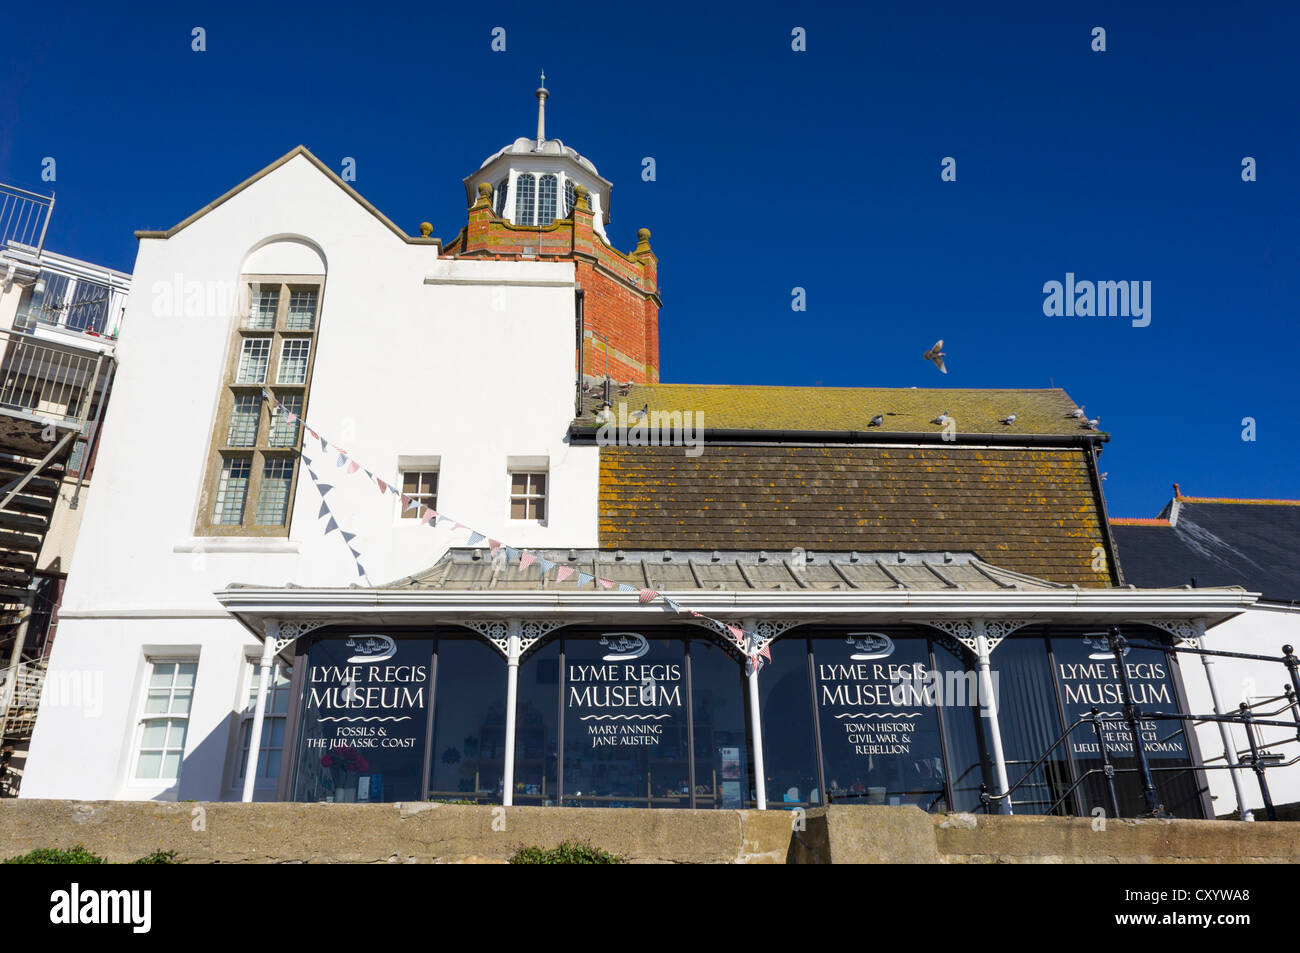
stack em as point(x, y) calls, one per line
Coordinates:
point(756, 726)
point(1229, 752)
point(989, 709)
point(512, 690)
point(259, 714)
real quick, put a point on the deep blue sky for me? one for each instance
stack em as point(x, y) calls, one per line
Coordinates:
point(776, 169)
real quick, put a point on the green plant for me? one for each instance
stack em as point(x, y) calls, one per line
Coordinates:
point(158, 857)
point(55, 855)
point(569, 852)
point(79, 855)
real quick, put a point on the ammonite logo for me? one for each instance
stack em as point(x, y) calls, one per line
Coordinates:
point(624, 645)
point(870, 645)
point(371, 648)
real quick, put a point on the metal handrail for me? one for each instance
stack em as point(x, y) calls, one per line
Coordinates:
point(24, 217)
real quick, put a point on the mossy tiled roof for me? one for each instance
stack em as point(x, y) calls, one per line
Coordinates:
point(1030, 510)
point(910, 410)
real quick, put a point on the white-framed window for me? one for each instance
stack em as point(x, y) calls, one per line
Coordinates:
point(420, 485)
point(499, 197)
point(547, 189)
point(164, 719)
point(294, 353)
point(302, 310)
point(527, 495)
point(284, 433)
point(525, 199)
point(570, 200)
point(254, 357)
point(273, 723)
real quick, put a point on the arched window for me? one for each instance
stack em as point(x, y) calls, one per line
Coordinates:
point(569, 200)
point(525, 192)
point(546, 198)
point(499, 199)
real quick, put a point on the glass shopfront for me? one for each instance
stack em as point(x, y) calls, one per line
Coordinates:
point(658, 717)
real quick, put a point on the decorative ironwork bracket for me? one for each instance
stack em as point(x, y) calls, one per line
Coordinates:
point(969, 632)
point(287, 633)
point(1190, 631)
point(514, 637)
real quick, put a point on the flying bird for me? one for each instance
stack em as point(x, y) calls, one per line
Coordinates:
point(936, 355)
point(877, 420)
point(1009, 419)
point(638, 414)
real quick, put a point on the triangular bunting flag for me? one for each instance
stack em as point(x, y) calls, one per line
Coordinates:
point(563, 573)
point(511, 554)
point(289, 416)
point(605, 584)
point(409, 503)
point(428, 516)
point(764, 651)
point(361, 570)
point(493, 545)
point(460, 525)
point(324, 488)
point(673, 604)
point(324, 445)
point(647, 596)
point(545, 565)
point(624, 587)
point(476, 538)
point(348, 537)
point(314, 434)
point(444, 519)
point(355, 554)
point(736, 633)
point(324, 509)
point(526, 560)
point(342, 459)
point(583, 578)
point(312, 474)
point(383, 487)
point(353, 466)
point(331, 526)
point(368, 473)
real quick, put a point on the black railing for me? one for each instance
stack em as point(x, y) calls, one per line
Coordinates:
point(1256, 759)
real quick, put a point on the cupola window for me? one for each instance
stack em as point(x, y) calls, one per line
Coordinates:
point(525, 197)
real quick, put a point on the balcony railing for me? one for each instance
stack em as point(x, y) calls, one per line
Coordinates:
point(24, 217)
point(47, 381)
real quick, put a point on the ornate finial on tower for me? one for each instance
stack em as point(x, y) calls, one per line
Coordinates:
point(541, 111)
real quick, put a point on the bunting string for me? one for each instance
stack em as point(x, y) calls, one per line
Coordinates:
point(754, 652)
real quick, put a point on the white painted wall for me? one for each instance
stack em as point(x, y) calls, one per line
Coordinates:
point(470, 361)
point(1262, 630)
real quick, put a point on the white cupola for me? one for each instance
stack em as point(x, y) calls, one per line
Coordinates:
point(533, 180)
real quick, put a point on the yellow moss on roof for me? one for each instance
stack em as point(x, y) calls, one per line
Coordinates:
point(905, 410)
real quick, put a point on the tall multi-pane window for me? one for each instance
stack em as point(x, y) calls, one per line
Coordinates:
point(569, 200)
point(528, 496)
point(293, 361)
point(546, 197)
point(525, 196)
point(273, 495)
point(302, 310)
point(232, 491)
point(244, 418)
point(284, 432)
point(499, 197)
point(252, 470)
point(262, 306)
point(254, 358)
point(277, 711)
point(165, 718)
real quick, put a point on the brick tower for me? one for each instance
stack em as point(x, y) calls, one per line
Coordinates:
point(538, 199)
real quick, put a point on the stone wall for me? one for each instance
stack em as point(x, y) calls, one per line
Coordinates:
point(451, 833)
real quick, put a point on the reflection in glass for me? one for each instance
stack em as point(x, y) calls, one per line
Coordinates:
point(723, 775)
point(789, 748)
point(469, 723)
point(535, 726)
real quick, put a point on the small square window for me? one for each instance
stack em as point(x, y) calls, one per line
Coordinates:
point(420, 485)
point(528, 496)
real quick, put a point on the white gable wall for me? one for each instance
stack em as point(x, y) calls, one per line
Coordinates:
point(468, 361)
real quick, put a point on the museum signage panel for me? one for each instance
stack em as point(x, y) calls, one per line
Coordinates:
point(365, 704)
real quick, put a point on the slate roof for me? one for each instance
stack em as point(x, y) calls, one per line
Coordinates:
point(731, 571)
point(1218, 542)
point(906, 410)
point(1030, 510)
